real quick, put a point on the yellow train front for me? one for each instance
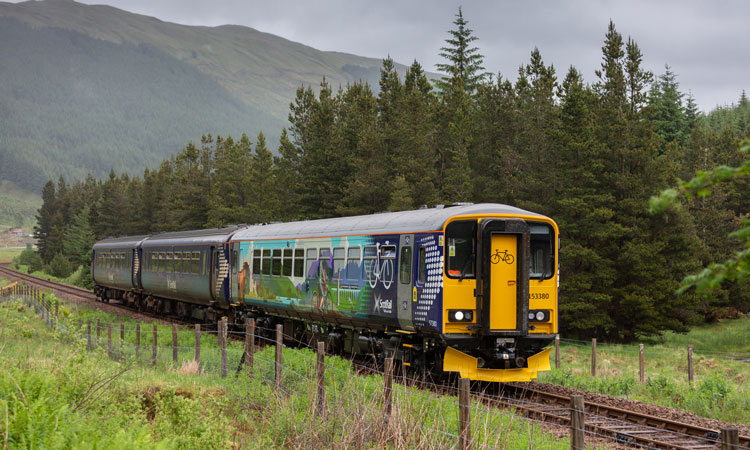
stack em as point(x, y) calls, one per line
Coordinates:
point(500, 294)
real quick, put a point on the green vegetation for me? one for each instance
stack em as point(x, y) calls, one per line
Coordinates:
point(9, 254)
point(17, 206)
point(721, 389)
point(58, 395)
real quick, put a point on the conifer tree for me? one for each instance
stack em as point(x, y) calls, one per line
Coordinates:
point(463, 60)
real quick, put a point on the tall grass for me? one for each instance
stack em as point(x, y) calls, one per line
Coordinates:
point(59, 395)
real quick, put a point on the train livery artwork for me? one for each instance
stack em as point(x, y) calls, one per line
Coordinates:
point(468, 288)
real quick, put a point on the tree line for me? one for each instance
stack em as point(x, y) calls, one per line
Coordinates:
point(587, 154)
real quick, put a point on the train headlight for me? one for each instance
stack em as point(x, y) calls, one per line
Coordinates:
point(460, 315)
point(539, 315)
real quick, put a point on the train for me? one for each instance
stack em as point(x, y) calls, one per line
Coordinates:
point(470, 289)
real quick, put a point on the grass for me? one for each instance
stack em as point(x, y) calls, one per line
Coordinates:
point(7, 254)
point(721, 361)
point(56, 394)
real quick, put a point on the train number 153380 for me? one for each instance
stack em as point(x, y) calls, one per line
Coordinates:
point(539, 296)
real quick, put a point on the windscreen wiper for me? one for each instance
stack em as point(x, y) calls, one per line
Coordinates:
point(462, 275)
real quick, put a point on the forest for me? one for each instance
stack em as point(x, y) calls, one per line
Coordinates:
point(589, 154)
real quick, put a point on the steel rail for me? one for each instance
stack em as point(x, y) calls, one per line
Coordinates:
point(626, 427)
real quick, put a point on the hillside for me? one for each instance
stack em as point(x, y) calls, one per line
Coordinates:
point(89, 88)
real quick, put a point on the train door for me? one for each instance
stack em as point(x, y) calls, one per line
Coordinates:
point(504, 258)
point(213, 266)
point(406, 287)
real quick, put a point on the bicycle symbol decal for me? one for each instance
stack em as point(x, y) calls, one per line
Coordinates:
point(502, 256)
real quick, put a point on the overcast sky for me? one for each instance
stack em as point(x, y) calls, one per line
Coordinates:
point(704, 42)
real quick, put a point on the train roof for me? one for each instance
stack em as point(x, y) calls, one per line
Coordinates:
point(119, 242)
point(211, 235)
point(431, 219)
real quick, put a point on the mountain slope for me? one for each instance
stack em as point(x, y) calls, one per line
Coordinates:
point(90, 88)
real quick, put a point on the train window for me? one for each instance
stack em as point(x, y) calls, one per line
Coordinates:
point(541, 252)
point(235, 261)
point(286, 267)
point(196, 263)
point(422, 275)
point(299, 262)
point(371, 253)
point(312, 256)
point(266, 269)
point(388, 252)
point(168, 262)
point(405, 265)
point(256, 261)
point(276, 263)
point(325, 258)
point(352, 263)
point(178, 262)
point(461, 238)
point(339, 261)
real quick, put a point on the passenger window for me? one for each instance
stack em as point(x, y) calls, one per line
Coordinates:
point(405, 265)
point(371, 253)
point(256, 261)
point(460, 248)
point(266, 269)
point(312, 256)
point(197, 263)
point(422, 275)
point(325, 257)
point(353, 264)
point(299, 262)
point(388, 252)
point(276, 265)
point(178, 263)
point(339, 261)
point(286, 267)
point(235, 261)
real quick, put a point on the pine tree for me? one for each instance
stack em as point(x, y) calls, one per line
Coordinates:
point(45, 222)
point(264, 206)
point(288, 176)
point(462, 60)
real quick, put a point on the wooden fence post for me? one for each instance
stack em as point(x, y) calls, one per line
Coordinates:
point(109, 339)
point(153, 350)
point(137, 338)
point(279, 345)
point(88, 333)
point(464, 415)
point(198, 347)
point(642, 364)
point(122, 339)
point(577, 424)
point(690, 364)
point(557, 351)
point(223, 342)
point(98, 331)
point(320, 405)
point(730, 439)
point(174, 342)
point(80, 326)
point(57, 310)
point(388, 390)
point(249, 341)
point(593, 357)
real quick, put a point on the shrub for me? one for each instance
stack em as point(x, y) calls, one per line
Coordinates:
point(60, 266)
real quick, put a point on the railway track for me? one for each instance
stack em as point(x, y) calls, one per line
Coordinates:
point(59, 288)
point(627, 428)
point(622, 426)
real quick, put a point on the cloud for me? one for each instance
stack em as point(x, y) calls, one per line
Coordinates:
point(703, 42)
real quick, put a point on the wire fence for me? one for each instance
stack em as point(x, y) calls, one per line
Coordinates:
point(472, 421)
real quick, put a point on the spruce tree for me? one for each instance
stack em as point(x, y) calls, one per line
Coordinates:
point(463, 60)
